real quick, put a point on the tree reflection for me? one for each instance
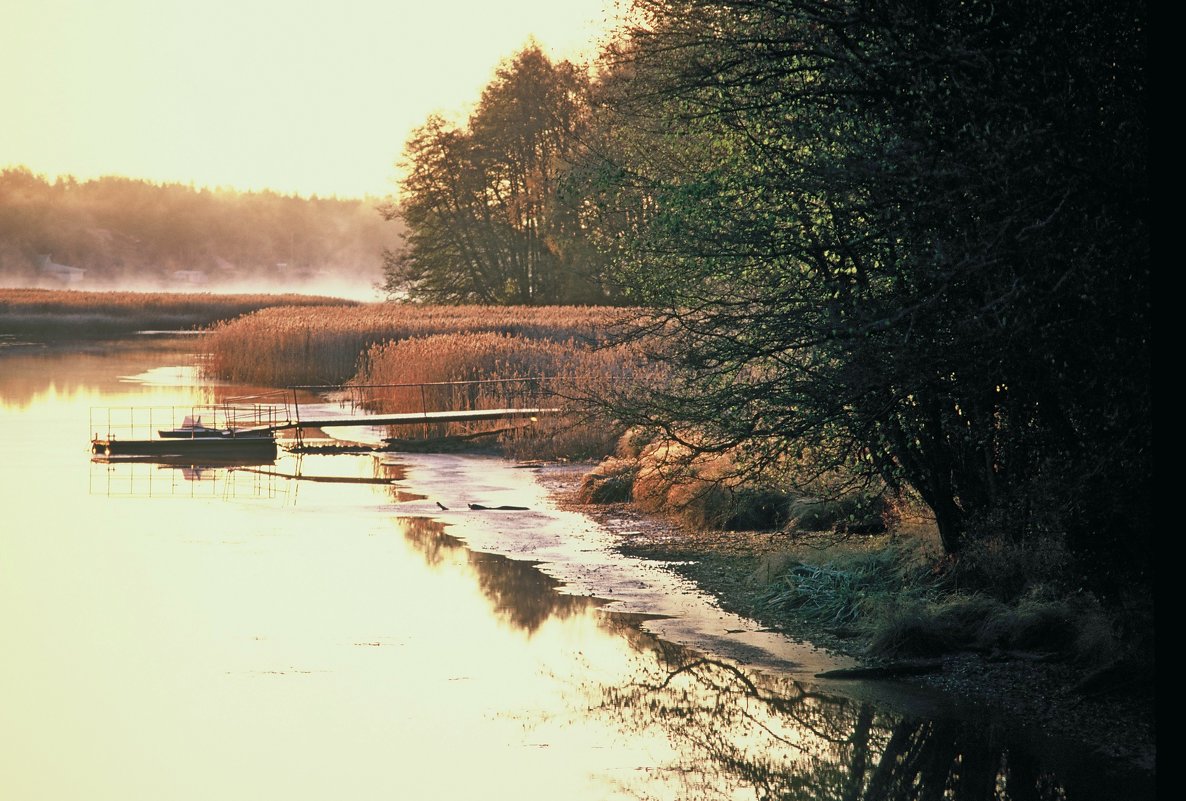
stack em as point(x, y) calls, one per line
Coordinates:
point(738, 731)
point(519, 593)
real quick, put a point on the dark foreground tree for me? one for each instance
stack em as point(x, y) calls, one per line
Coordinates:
point(910, 236)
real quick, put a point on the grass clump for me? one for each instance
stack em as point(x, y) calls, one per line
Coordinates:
point(705, 491)
point(978, 622)
point(900, 603)
point(842, 590)
point(853, 512)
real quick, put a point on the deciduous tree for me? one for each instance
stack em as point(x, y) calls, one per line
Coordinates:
point(909, 236)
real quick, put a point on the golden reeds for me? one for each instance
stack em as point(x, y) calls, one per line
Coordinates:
point(448, 358)
point(285, 346)
point(500, 371)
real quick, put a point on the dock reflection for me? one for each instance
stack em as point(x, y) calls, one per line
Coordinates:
point(159, 477)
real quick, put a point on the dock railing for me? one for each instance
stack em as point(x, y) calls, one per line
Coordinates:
point(146, 422)
point(429, 397)
point(278, 410)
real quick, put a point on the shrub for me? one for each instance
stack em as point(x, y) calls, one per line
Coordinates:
point(612, 481)
point(855, 512)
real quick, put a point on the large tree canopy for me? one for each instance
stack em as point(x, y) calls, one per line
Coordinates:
point(912, 236)
point(487, 220)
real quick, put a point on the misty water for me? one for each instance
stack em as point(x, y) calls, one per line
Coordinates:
point(274, 631)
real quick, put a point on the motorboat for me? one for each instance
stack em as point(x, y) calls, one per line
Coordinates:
point(192, 428)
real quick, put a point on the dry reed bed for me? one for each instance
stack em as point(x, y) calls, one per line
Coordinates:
point(508, 371)
point(81, 314)
point(284, 346)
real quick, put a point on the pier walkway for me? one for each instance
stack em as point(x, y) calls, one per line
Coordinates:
point(253, 421)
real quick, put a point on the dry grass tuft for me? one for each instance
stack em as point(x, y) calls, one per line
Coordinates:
point(612, 481)
point(704, 491)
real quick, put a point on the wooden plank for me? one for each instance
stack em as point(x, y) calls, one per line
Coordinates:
point(408, 418)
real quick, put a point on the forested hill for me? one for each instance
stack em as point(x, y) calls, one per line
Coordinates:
point(119, 232)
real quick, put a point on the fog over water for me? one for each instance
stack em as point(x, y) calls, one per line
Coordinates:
point(364, 287)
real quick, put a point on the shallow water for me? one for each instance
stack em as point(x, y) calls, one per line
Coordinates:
point(281, 631)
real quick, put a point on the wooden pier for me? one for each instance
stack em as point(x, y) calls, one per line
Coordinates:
point(230, 430)
point(413, 418)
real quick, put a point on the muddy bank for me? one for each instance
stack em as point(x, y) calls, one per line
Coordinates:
point(1114, 718)
point(495, 507)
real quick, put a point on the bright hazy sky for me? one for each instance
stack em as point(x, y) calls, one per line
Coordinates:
point(306, 96)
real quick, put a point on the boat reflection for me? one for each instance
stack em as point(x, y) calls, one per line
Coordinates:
point(158, 475)
point(172, 477)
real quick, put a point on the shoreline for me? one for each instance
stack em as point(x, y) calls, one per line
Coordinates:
point(1036, 696)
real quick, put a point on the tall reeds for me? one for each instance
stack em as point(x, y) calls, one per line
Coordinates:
point(500, 371)
point(285, 346)
point(507, 357)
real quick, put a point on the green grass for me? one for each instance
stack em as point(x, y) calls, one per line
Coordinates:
point(840, 589)
point(899, 603)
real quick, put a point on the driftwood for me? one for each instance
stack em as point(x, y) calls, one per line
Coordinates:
point(477, 507)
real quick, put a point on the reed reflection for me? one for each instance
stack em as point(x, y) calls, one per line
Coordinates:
point(34, 371)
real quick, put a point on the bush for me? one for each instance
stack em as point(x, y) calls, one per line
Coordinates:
point(612, 481)
point(854, 513)
point(1009, 570)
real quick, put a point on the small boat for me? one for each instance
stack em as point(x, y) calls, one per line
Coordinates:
point(192, 428)
point(257, 445)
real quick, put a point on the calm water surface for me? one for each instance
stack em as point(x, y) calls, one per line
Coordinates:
point(180, 633)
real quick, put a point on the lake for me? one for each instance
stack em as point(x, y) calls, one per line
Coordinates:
point(319, 628)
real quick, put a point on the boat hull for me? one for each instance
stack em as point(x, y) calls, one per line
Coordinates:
point(198, 447)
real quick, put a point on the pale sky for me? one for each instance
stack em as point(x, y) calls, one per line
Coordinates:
point(305, 96)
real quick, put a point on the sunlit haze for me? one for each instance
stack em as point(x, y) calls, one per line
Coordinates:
point(307, 97)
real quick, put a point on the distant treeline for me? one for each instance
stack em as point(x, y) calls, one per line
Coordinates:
point(121, 232)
